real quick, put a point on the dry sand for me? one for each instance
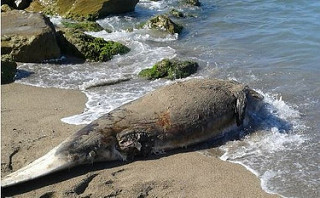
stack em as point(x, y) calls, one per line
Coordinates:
point(31, 126)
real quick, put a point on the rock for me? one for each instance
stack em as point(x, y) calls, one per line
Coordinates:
point(163, 22)
point(28, 37)
point(8, 69)
point(78, 44)
point(176, 13)
point(83, 9)
point(6, 8)
point(84, 26)
point(170, 69)
point(193, 2)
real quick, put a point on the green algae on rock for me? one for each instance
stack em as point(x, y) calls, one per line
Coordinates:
point(170, 69)
point(101, 50)
point(163, 22)
point(83, 9)
point(78, 44)
point(193, 2)
point(84, 26)
point(6, 8)
point(176, 13)
point(8, 69)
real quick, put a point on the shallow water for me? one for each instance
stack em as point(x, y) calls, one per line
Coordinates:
point(273, 46)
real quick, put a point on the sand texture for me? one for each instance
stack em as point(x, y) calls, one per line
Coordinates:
point(31, 126)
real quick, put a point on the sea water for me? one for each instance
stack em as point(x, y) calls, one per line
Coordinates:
point(273, 46)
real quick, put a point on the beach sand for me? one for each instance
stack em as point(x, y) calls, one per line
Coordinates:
point(31, 126)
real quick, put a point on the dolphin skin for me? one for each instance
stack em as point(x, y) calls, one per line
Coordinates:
point(178, 115)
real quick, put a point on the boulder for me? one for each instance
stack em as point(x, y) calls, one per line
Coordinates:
point(83, 9)
point(163, 22)
point(170, 69)
point(8, 69)
point(78, 44)
point(28, 37)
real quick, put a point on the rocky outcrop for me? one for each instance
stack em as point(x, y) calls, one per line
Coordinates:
point(170, 69)
point(8, 69)
point(28, 37)
point(163, 22)
point(78, 44)
point(83, 9)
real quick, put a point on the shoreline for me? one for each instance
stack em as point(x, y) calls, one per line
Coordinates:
point(255, 173)
point(31, 126)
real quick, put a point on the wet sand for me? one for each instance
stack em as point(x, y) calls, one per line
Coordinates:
point(31, 126)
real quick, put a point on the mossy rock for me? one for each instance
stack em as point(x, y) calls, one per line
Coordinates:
point(82, 9)
point(101, 50)
point(193, 2)
point(6, 8)
point(176, 13)
point(170, 69)
point(163, 22)
point(78, 44)
point(8, 69)
point(84, 26)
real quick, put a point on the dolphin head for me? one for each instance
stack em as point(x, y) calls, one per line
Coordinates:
point(88, 145)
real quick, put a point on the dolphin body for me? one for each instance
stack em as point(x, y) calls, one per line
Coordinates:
point(178, 115)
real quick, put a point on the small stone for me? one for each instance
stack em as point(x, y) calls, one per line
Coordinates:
point(163, 22)
point(177, 13)
point(193, 2)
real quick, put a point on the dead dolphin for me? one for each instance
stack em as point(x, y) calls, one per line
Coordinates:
point(177, 115)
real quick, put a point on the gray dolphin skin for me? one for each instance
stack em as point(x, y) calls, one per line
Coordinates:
point(178, 115)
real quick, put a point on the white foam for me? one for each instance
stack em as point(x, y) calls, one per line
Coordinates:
point(280, 108)
point(270, 141)
point(102, 101)
point(56, 20)
point(135, 35)
point(153, 5)
point(117, 23)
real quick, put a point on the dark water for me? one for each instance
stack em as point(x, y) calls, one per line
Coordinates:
point(273, 46)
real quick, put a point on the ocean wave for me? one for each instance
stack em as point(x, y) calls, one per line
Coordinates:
point(279, 131)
